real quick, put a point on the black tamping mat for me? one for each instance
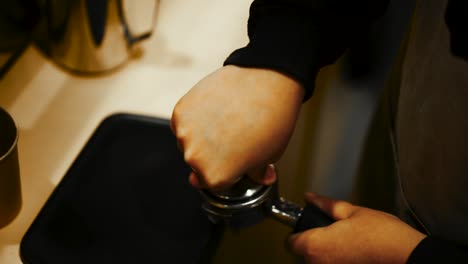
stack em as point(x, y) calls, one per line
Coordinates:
point(125, 199)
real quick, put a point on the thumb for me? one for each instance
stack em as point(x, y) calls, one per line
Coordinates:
point(264, 175)
point(337, 209)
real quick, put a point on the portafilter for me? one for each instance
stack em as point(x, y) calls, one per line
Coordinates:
point(247, 203)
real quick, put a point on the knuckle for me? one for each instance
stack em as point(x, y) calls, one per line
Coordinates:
point(342, 205)
point(200, 169)
point(190, 157)
point(212, 175)
point(215, 180)
point(213, 183)
point(181, 144)
point(184, 141)
point(342, 208)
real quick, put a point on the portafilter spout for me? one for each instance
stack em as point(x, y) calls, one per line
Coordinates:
point(247, 203)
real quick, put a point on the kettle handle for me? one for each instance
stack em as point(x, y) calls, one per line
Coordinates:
point(138, 18)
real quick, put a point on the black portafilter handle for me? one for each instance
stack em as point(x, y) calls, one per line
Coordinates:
point(312, 217)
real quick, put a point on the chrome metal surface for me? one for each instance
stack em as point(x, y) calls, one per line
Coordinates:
point(286, 212)
point(92, 36)
point(227, 204)
point(245, 189)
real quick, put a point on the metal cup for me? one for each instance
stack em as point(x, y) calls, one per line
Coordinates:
point(10, 186)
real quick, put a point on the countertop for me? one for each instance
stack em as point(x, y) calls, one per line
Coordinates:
point(56, 112)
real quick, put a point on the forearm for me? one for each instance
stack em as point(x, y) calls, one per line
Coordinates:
point(298, 37)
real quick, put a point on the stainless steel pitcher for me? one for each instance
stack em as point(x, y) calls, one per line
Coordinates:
point(92, 36)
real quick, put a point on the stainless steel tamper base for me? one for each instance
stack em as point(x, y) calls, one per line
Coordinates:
point(247, 203)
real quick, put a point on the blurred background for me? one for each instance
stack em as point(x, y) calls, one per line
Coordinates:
point(17, 23)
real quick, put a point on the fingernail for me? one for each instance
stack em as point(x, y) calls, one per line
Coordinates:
point(270, 176)
point(194, 181)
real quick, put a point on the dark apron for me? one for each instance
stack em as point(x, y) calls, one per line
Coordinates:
point(431, 127)
point(425, 108)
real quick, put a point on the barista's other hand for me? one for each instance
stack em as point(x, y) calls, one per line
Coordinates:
point(360, 235)
point(236, 121)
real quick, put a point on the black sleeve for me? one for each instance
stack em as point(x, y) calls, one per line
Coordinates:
point(434, 249)
point(298, 37)
point(456, 17)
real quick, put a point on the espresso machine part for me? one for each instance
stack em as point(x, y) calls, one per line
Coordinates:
point(247, 203)
point(93, 36)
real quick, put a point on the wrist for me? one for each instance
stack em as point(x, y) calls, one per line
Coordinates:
point(276, 83)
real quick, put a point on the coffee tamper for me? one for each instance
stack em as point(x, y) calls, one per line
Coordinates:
point(247, 203)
